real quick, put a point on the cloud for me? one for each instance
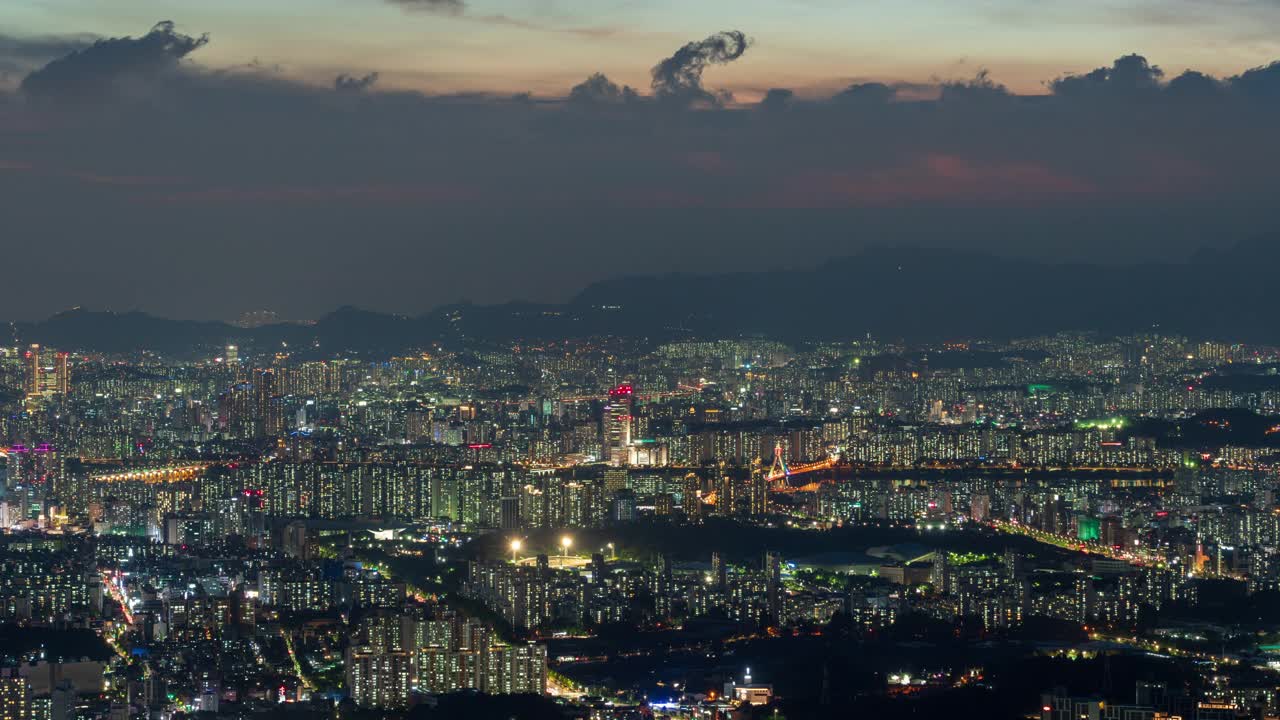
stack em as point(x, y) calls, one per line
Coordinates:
point(599, 89)
point(448, 7)
point(777, 99)
point(679, 77)
point(93, 70)
point(980, 88)
point(1193, 84)
point(350, 83)
point(871, 93)
point(1261, 82)
point(167, 158)
point(24, 54)
point(1127, 75)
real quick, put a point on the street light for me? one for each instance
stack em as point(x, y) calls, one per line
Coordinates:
point(515, 548)
point(613, 552)
point(565, 542)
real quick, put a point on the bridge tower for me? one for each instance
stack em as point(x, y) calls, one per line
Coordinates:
point(779, 472)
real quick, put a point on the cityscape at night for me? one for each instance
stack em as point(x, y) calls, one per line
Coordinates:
point(567, 360)
point(1038, 527)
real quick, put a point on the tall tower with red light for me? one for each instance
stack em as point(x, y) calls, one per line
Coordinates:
point(617, 425)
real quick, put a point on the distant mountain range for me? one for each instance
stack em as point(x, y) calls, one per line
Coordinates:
point(909, 293)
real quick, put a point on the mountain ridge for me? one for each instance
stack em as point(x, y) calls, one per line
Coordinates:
point(912, 292)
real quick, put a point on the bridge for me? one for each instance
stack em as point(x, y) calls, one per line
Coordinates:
point(680, 391)
point(155, 475)
point(780, 474)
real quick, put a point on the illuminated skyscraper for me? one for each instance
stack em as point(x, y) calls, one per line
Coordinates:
point(61, 374)
point(617, 430)
point(35, 371)
point(45, 379)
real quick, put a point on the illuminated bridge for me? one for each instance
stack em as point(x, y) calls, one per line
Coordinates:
point(158, 475)
point(681, 390)
point(780, 474)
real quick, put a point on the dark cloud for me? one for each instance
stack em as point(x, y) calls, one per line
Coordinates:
point(599, 89)
point(1261, 82)
point(93, 70)
point(679, 77)
point(183, 176)
point(351, 83)
point(872, 93)
point(980, 88)
point(1129, 74)
point(777, 99)
point(449, 7)
point(24, 54)
point(1193, 84)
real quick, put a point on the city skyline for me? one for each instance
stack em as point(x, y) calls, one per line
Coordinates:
point(1050, 525)
point(658, 360)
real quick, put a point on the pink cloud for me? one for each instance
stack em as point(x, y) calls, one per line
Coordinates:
point(934, 177)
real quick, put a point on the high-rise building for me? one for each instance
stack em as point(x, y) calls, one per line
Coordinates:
point(691, 497)
point(773, 584)
point(15, 696)
point(617, 425)
point(509, 513)
point(46, 375)
point(35, 370)
point(615, 481)
point(378, 678)
point(757, 491)
point(268, 405)
point(61, 374)
point(727, 496)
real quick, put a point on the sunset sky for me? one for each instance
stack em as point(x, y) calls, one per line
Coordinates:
point(402, 154)
point(545, 46)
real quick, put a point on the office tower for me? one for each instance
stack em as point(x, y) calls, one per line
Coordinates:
point(615, 480)
point(622, 507)
point(617, 440)
point(34, 370)
point(43, 378)
point(719, 574)
point(232, 355)
point(62, 375)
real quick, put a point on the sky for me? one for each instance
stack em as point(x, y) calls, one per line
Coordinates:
point(546, 46)
point(202, 160)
